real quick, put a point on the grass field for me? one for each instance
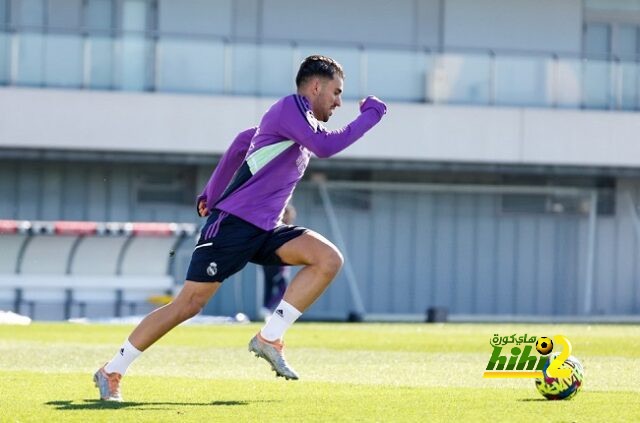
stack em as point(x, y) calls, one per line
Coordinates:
point(349, 372)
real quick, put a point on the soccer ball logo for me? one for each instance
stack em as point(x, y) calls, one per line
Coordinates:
point(544, 345)
point(561, 388)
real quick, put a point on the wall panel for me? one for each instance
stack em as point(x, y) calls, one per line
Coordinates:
point(409, 250)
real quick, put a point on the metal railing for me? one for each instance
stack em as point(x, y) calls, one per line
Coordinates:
point(216, 65)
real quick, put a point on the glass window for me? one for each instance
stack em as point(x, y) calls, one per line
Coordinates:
point(134, 15)
point(99, 15)
point(612, 5)
point(565, 87)
point(28, 13)
point(99, 22)
point(460, 78)
point(626, 48)
point(520, 81)
point(4, 57)
point(195, 16)
point(64, 14)
point(629, 73)
point(597, 92)
point(597, 40)
point(4, 43)
point(3, 13)
point(244, 78)
point(132, 70)
point(409, 69)
point(30, 59)
point(191, 65)
point(627, 43)
point(135, 50)
point(101, 66)
point(63, 60)
point(276, 76)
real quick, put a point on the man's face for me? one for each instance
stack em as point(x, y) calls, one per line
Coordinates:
point(328, 97)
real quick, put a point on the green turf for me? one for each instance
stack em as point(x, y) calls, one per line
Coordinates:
point(350, 372)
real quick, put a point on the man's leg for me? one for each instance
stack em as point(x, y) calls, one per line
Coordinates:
point(192, 297)
point(322, 262)
point(188, 303)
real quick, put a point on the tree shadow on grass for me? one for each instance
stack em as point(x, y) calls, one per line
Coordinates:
point(94, 404)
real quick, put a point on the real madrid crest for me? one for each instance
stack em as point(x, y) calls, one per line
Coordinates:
point(212, 269)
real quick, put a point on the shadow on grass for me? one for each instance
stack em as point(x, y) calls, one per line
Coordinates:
point(94, 404)
point(532, 399)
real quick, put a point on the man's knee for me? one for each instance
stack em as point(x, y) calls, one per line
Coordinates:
point(193, 309)
point(188, 308)
point(331, 261)
point(192, 298)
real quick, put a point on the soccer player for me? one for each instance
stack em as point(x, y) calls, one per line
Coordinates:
point(244, 201)
point(276, 277)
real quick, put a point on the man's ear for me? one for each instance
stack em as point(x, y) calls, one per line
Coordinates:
point(315, 85)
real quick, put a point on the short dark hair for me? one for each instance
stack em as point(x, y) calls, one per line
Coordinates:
point(317, 65)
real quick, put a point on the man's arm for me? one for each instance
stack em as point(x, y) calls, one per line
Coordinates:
point(226, 168)
point(297, 123)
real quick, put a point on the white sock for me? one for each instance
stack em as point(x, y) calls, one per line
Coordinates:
point(123, 358)
point(280, 320)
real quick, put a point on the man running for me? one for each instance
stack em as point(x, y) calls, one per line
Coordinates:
point(244, 201)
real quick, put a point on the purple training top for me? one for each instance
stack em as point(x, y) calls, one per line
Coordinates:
point(258, 173)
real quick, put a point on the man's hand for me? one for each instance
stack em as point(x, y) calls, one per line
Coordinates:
point(373, 102)
point(202, 208)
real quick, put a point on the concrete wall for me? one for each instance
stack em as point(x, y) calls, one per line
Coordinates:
point(163, 123)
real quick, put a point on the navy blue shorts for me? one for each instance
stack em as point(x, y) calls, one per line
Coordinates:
point(227, 243)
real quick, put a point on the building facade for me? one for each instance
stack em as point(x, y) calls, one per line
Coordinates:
point(504, 180)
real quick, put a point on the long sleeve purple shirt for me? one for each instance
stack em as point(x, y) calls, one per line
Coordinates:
point(258, 173)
